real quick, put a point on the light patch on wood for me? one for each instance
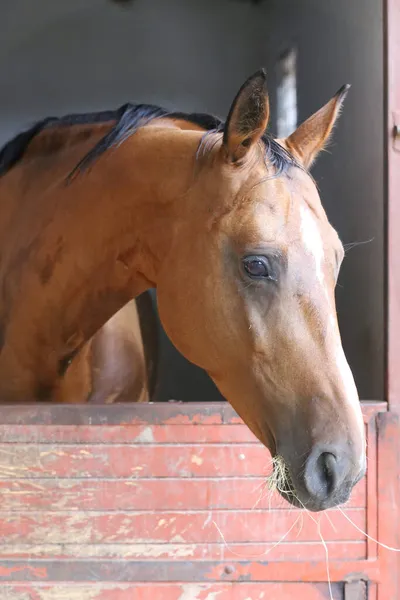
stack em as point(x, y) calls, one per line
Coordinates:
point(197, 460)
point(121, 551)
point(72, 530)
point(10, 593)
point(158, 550)
point(145, 437)
point(58, 592)
point(213, 595)
point(69, 594)
point(178, 539)
point(16, 492)
point(192, 591)
point(96, 590)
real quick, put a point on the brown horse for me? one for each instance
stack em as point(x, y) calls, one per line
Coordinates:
point(227, 224)
point(119, 363)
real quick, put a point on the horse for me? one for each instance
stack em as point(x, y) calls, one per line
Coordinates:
point(119, 363)
point(226, 223)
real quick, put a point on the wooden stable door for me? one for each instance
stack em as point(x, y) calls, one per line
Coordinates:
point(169, 502)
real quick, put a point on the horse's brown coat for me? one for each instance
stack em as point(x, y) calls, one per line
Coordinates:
point(156, 211)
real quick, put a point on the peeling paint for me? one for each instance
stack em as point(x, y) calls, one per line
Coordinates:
point(145, 437)
point(148, 549)
point(158, 550)
point(178, 539)
point(66, 593)
point(213, 595)
point(195, 591)
point(192, 591)
point(37, 572)
point(197, 460)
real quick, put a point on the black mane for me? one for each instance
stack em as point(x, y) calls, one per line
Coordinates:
point(128, 118)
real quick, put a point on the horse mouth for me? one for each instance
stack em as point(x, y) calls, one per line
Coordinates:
point(281, 480)
point(288, 493)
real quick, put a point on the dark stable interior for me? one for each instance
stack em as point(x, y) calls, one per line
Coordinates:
point(204, 50)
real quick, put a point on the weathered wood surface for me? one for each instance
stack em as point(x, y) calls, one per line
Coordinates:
point(192, 591)
point(163, 507)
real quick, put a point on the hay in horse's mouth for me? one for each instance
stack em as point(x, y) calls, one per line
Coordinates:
point(281, 480)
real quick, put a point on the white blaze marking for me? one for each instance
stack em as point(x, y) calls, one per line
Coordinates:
point(313, 243)
point(312, 240)
point(347, 376)
point(350, 390)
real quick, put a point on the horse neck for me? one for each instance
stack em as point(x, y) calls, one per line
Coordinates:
point(107, 232)
point(137, 194)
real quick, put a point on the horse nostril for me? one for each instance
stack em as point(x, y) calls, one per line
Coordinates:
point(326, 464)
point(321, 476)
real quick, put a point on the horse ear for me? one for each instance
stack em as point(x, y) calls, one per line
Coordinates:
point(312, 135)
point(248, 118)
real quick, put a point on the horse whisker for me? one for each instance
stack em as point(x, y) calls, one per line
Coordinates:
point(263, 553)
point(330, 521)
point(352, 245)
point(391, 548)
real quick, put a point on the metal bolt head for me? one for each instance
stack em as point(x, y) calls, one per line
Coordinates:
point(229, 570)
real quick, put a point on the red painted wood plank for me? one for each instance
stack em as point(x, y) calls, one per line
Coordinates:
point(174, 527)
point(296, 571)
point(192, 591)
point(232, 552)
point(143, 433)
point(148, 494)
point(43, 571)
point(141, 461)
point(371, 491)
point(172, 413)
point(389, 501)
point(133, 461)
point(127, 434)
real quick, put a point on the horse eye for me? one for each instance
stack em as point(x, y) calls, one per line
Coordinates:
point(257, 267)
